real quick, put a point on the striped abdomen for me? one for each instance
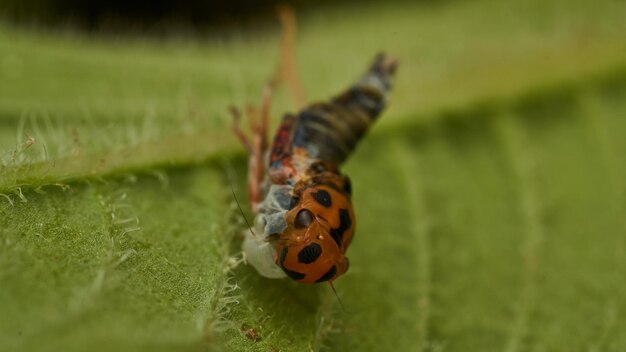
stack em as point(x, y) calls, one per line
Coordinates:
point(329, 131)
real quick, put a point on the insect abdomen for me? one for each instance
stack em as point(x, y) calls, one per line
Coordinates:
point(330, 131)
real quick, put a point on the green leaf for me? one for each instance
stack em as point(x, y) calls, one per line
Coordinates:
point(489, 199)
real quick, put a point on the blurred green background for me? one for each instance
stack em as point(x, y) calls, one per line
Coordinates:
point(490, 196)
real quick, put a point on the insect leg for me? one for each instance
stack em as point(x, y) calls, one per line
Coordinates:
point(236, 114)
point(255, 160)
point(256, 145)
point(265, 114)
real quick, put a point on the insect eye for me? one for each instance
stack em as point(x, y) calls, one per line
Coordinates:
point(303, 219)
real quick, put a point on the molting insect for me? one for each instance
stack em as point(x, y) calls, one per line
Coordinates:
point(304, 219)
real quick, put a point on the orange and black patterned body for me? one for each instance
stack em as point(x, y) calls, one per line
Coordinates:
point(319, 230)
point(307, 213)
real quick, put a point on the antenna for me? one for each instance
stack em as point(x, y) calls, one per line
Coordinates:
point(343, 308)
point(241, 211)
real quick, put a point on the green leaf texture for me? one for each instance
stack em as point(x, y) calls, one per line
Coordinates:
point(489, 199)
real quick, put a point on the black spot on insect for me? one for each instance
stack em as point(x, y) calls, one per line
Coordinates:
point(281, 260)
point(344, 224)
point(293, 274)
point(329, 274)
point(347, 186)
point(304, 218)
point(336, 236)
point(323, 197)
point(310, 253)
point(282, 256)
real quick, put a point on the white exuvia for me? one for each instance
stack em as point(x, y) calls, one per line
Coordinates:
point(258, 250)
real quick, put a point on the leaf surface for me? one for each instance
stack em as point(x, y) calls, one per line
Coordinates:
point(489, 199)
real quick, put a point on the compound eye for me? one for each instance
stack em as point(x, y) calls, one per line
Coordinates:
point(303, 219)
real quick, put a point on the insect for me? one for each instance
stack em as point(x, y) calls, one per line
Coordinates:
point(304, 218)
point(250, 333)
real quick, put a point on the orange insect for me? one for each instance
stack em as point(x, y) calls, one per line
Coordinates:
point(304, 215)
